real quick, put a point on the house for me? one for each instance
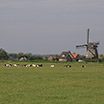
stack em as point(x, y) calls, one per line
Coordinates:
point(66, 56)
point(101, 56)
point(53, 58)
point(22, 59)
point(76, 56)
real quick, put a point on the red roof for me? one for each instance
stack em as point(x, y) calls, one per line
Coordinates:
point(75, 55)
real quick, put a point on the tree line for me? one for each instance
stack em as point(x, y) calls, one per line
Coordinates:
point(16, 56)
point(30, 57)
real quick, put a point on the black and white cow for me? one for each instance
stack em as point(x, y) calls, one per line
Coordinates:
point(39, 65)
point(67, 66)
point(83, 66)
point(8, 65)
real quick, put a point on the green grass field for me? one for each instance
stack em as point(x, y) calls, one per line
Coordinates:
point(59, 85)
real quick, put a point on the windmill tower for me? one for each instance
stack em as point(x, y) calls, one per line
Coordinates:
point(91, 47)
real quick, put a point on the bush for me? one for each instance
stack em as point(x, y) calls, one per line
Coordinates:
point(35, 57)
point(102, 59)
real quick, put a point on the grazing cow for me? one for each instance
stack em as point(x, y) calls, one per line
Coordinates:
point(16, 65)
point(28, 65)
point(25, 65)
point(33, 65)
point(52, 66)
point(40, 65)
point(83, 66)
point(8, 65)
point(67, 66)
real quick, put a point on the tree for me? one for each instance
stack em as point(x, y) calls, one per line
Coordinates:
point(26, 55)
point(13, 56)
point(36, 57)
point(3, 54)
point(20, 55)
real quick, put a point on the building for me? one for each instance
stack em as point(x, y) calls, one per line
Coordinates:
point(22, 59)
point(66, 56)
point(76, 56)
point(53, 58)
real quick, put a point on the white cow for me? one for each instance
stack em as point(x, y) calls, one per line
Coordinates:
point(52, 66)
point(33, 65)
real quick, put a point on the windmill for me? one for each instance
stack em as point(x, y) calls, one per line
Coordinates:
point(91, 47)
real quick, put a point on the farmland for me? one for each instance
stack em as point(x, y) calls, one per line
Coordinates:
point(58, 85)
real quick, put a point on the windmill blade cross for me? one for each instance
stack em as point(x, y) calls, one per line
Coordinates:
point(81, 46)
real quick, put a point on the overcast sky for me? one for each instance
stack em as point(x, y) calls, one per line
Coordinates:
point(50, 26)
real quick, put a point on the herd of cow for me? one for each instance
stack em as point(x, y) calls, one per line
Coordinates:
point(38, 65)
point(25, 65)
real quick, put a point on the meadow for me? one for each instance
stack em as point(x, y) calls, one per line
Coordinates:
point(58, 85)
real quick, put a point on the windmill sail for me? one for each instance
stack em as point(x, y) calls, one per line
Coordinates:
point(88, 35)
point(81, 46)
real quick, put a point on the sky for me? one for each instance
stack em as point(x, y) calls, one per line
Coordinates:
point(50, 26)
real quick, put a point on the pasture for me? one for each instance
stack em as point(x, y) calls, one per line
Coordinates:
point(57, 85)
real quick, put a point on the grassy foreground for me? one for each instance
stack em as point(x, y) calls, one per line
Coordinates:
point(59, 85)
